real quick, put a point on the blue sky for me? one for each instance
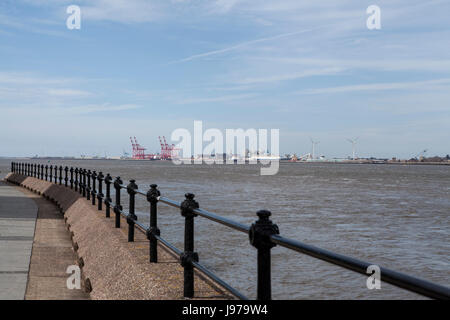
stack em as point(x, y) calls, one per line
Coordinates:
point(145, 68)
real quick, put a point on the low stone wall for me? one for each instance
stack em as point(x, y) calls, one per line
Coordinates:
point(112, 267)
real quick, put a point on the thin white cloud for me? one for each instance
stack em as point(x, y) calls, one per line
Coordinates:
point(388, 64)
point(68, 93)
point(380, 87)
point(26, 78)
point(124, 11)
point(215, 99)
point(100, 108)
point(290, 76)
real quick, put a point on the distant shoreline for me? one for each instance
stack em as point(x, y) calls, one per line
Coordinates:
point(377, 162)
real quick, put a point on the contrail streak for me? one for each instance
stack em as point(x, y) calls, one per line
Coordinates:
point(243, 44)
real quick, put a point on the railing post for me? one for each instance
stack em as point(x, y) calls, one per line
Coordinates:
point(38, 171)
point(35, 170)
point(187, 207)
point(66, 179)
point(131, 217)
point(117, 207)
point(71, 177)
point(93, 191)
point(42, 172)
point(56, 174)
point(83, 182)
point(100, 190)
point(76, 179)
point(88, 186)
point(259, 236)
point(12, 166)
point(108, 200)
point(46, 172)
point(79, 182)
point(51, 173)
point(60, 175)
point(152, 197)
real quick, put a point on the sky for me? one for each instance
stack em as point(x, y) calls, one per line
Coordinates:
point(143, 68)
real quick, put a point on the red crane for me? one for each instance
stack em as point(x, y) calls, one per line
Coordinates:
point(139, 151)
point(168, 152)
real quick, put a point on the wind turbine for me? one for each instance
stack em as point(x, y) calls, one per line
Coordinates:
point(314, 143)
point(353, 142)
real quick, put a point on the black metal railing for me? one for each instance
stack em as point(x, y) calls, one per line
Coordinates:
point(263, 234)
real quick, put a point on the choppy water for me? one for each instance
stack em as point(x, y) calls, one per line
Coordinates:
point(394, 216)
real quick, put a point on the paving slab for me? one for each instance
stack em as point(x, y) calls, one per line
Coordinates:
point(18, 215)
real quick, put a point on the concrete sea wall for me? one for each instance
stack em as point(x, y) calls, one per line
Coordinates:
point(112, 267)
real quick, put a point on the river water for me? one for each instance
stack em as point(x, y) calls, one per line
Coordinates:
point(396, 216)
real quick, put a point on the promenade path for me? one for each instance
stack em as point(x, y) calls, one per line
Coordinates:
point(18, 215)
point(35, 248)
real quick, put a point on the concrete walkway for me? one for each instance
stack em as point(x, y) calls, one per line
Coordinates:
point(18, 215)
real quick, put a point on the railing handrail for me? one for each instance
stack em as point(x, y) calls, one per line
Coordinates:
point(263, 235)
